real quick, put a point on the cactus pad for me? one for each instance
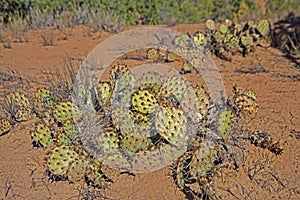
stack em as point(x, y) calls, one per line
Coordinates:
point(247, 41)
point(123, 89)
point(199, 39)
point(144, 101)
point(224, 126)
point(195, 102)
point(246, 102)
point(42, 136)
point(108, 142)
point(103, 93)
point(152, 81)
point(60, 160)
point(77, 169)
point(132, 143)
point(64, 111)
point(17, 106)
point(95, 175)
point(173, 87)
point(210, 25)
point(223, 28)
point(153, 54)
point(171, 124)
point(43, 100)
point(5, 126)
point(202, 161)
point(117, 71)
point(263, 27)
point(265, 41)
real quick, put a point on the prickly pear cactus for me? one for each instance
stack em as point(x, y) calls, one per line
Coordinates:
point(5, 126)
point(77, 169)
point(95, 176)
point(43, 100)
point(42, 136)
point(182, 41)
point(171, 124)
point(199, 39)
point(68, 133)
point(144, 101)
point(223, 28)
point(152, 81)
point(172, 90)
point(263, 27)
point(17, 107)
point(153, 54)
point(202, 161)
point(118, 71)
point(195, 103)
point(132, 143)
point(60, 159)
point(123, 120)
point(224, 124)
point(210, 25)
point(64, 111)
point(265, 41)
point(108, 142)
point(103, 93)
point(245, 102)
point(121, 95)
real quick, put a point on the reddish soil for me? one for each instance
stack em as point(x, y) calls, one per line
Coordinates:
point(275, 79)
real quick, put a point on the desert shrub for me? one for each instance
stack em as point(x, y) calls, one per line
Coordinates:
point(132, 12)
point(279, 6)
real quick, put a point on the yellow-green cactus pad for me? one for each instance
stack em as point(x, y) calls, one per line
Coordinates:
point(68, 134)
point(123, 89)
point(202, 161)
point(246, 102)
point(5, 126)
point(42, 136)
point(108, 143)
point(265, 41)
point(123, 120)
point(224, 126)
point(182, 41)
point(17, 106)
point(23, 114)
point(95, 175)
point(117, 71)
point(171, 124)
point(247, 41)
point(210, 25)
point(43, 100)
point(195, 102)
point(60, 159)
point(144, 101)
point(223, 28)
point(153, 54)
point(152, 81)
point(103, 93)
point(199, 39)
point(173, 87)
point(132, 143)
point(64, 111)
point(77, 169)
point(263, 27)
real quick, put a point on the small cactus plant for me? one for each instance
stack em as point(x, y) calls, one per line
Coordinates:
point(5, 126)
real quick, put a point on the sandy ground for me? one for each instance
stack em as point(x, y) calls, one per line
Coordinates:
point(275, 79)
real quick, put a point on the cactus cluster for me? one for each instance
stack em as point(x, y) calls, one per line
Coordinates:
point(17, 107)
point(147, 121)
point(224, 40)
point(231, 38)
